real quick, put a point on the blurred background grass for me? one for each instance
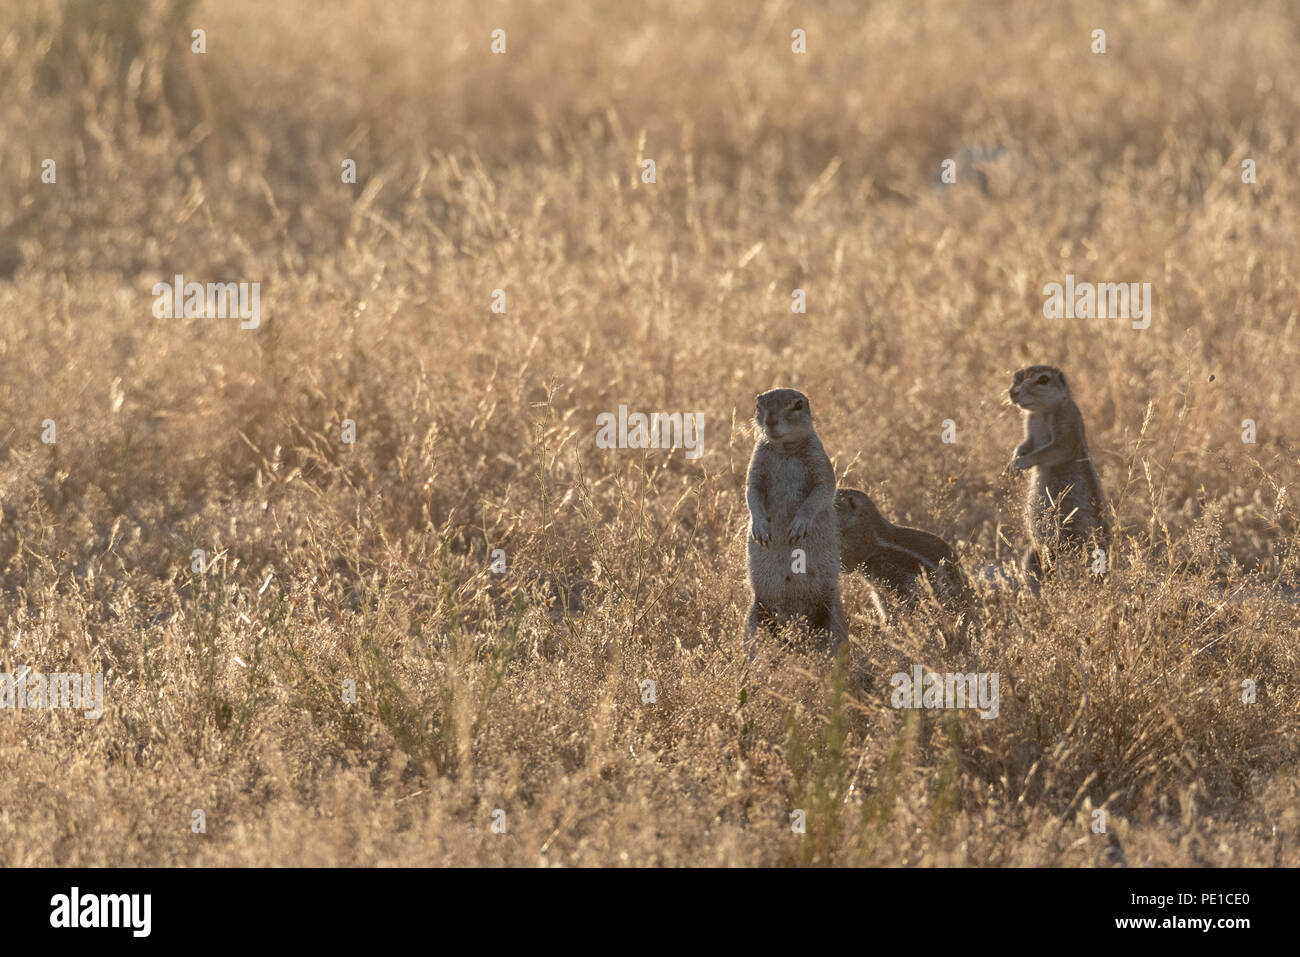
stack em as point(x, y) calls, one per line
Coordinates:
point(521, 172)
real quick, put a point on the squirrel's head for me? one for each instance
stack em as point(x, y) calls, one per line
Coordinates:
point(784, 417)
point(1038, 388)
point(854, 507)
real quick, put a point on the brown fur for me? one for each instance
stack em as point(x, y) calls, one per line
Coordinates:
point(894, 555)
point(1065, 512)
point(791, 491)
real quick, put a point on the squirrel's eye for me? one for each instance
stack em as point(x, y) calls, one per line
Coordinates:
point(1042, 380)
point(798, 406)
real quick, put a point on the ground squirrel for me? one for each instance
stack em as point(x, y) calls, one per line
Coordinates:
point(1064, 507)
point(794, 551)
point(895, 555)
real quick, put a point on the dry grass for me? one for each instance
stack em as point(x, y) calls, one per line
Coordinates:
point(475, 430)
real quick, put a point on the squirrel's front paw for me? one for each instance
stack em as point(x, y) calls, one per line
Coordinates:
point(1020, 463)
point(760, 531)
point(799, 527)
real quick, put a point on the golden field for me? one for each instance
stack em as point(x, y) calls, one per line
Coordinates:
point(370, 562)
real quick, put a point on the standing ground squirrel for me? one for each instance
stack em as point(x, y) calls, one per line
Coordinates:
point(895, 555)
point(1064, 507)
point(794, 550)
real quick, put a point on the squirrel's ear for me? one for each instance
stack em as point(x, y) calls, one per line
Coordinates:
point(1063, 382)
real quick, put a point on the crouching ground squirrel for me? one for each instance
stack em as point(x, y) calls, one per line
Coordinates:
point(1064, 507)
point(894, 555)
point(794, 549)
